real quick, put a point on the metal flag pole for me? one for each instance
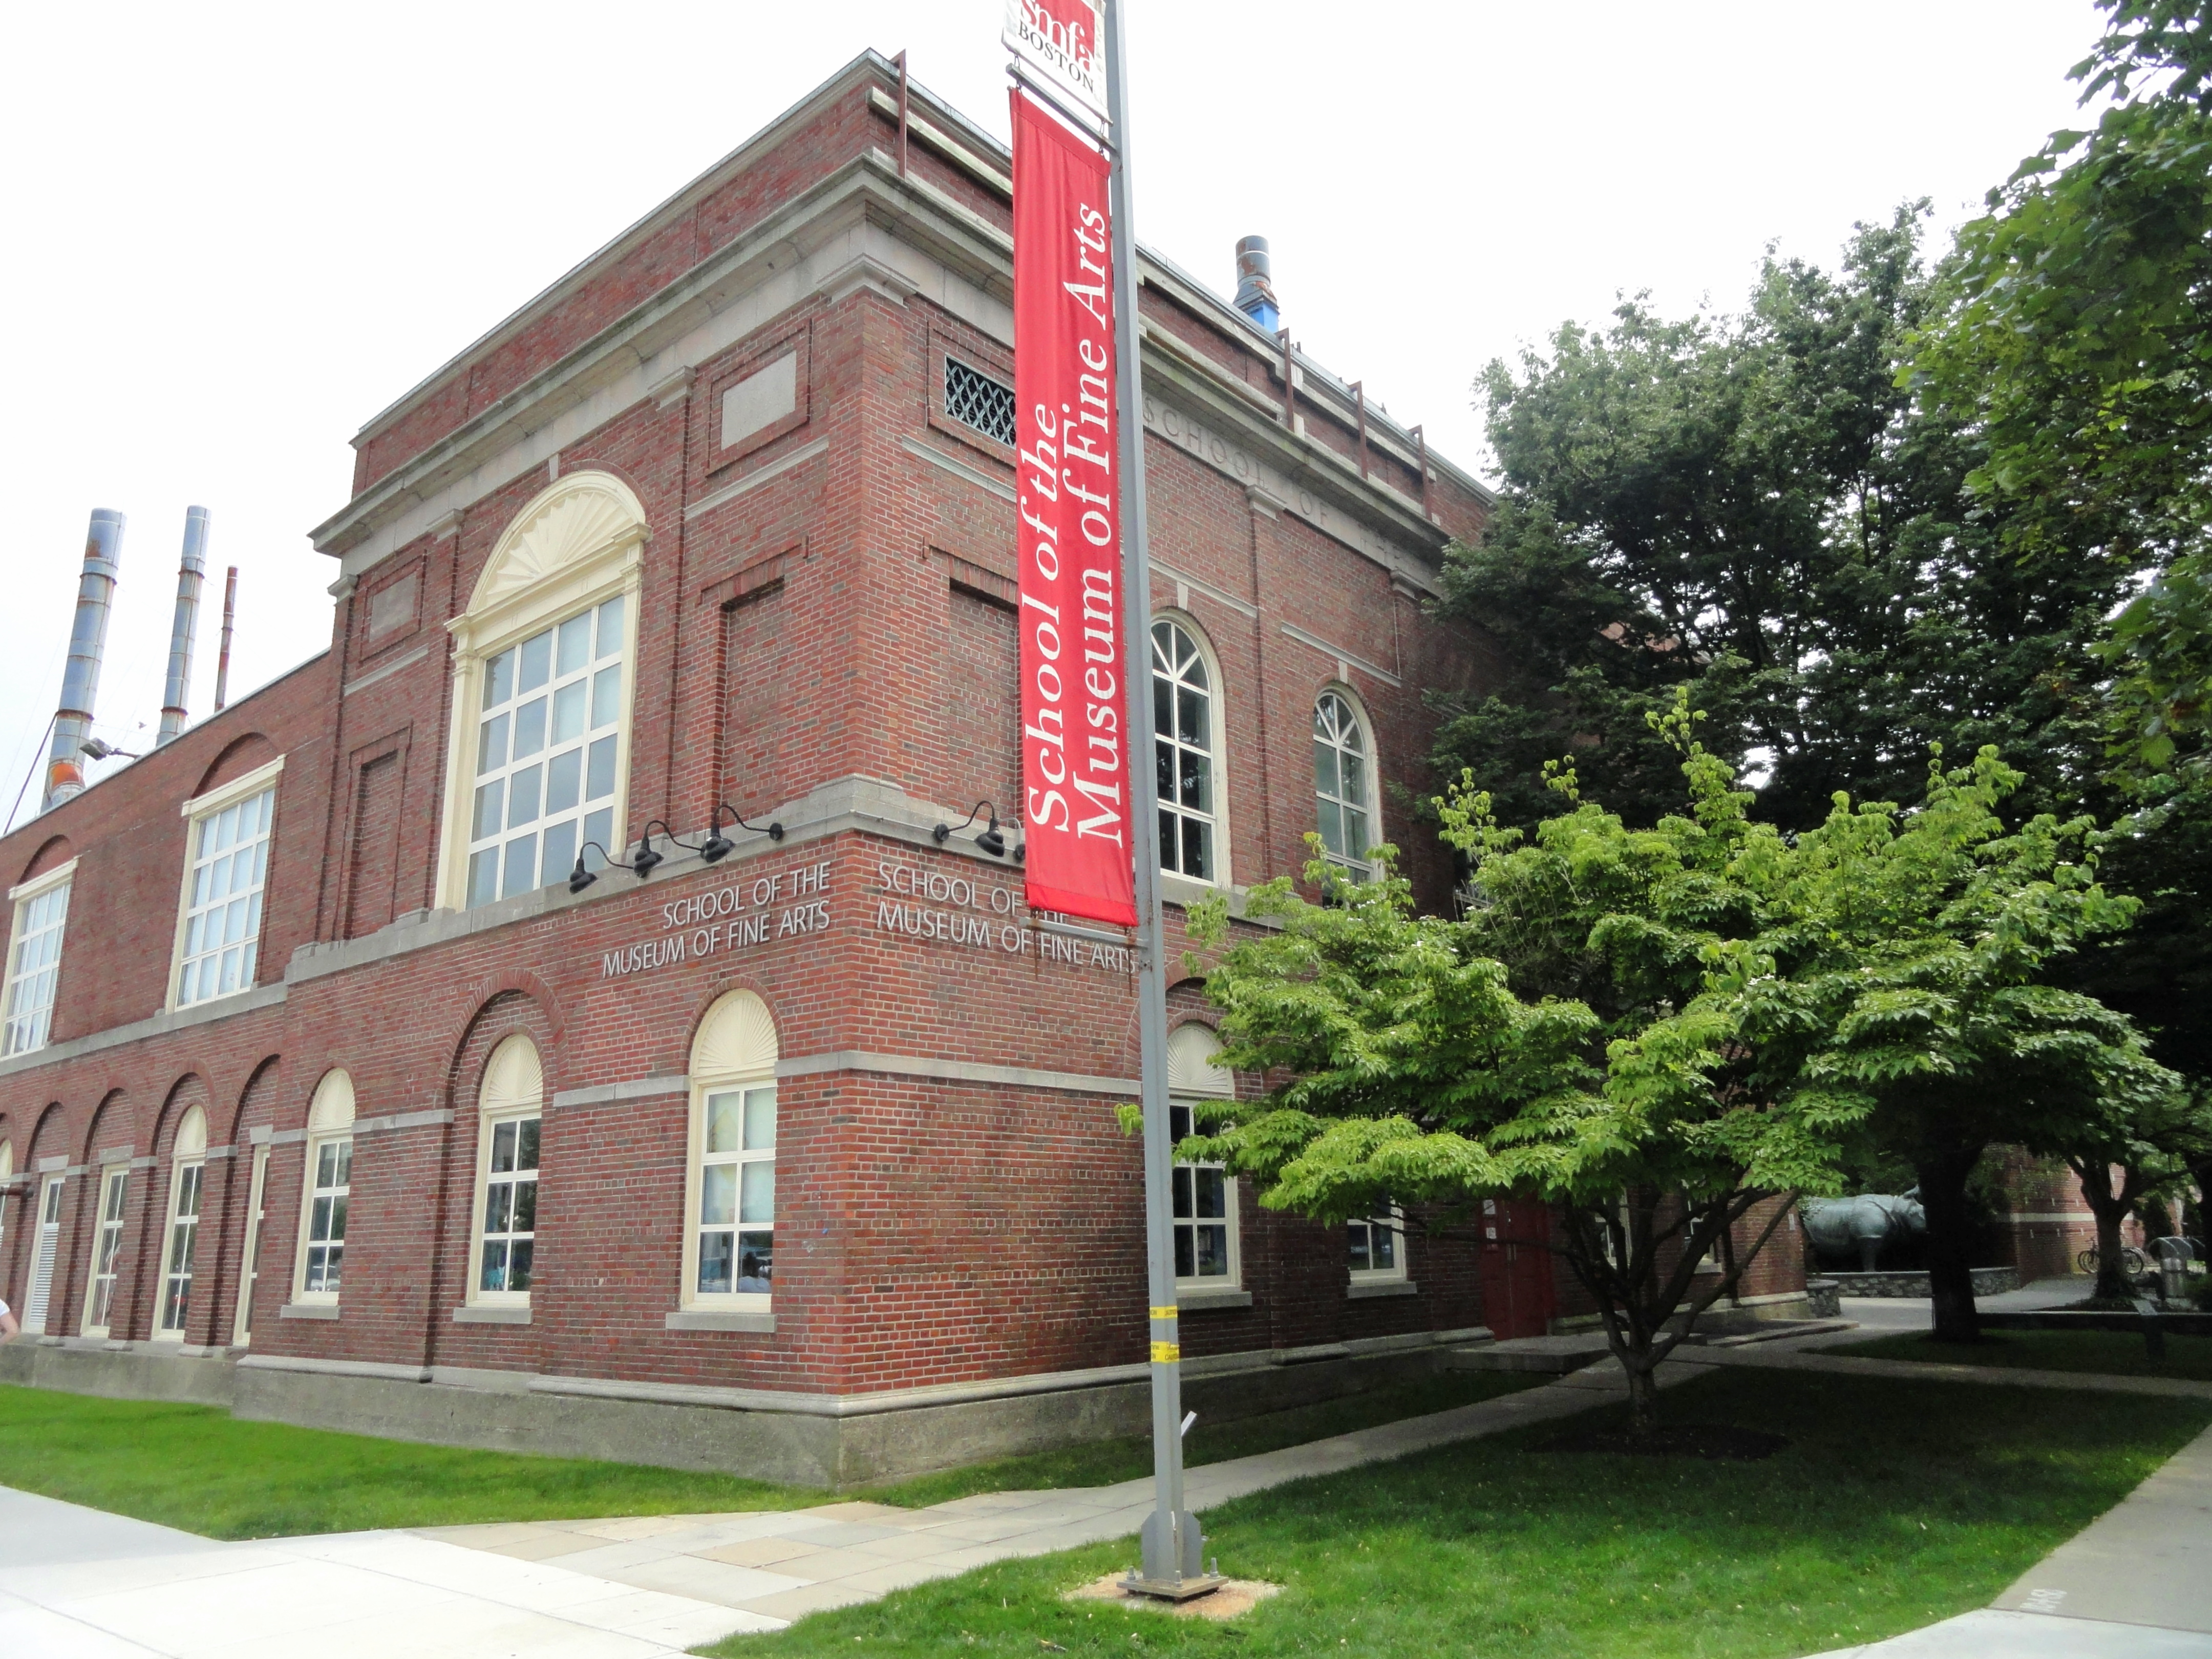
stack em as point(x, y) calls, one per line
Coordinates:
point(1173, 1546)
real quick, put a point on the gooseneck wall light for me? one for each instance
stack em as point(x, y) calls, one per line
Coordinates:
point(988, 838)
point(718, 845)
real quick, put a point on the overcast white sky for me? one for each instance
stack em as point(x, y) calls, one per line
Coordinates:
point(237, 232)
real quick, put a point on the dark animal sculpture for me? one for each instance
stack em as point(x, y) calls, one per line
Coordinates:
point(1837, 1226)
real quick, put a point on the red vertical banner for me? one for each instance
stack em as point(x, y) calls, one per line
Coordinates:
point(1075, 755)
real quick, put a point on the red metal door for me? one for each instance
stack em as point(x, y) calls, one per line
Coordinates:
point(1516, 1268)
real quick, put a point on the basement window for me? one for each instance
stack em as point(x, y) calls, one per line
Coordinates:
point(975, 399)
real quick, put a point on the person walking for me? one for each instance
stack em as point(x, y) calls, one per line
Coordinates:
point(8, 1328)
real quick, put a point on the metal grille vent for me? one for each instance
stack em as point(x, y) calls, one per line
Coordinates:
point(977, 400)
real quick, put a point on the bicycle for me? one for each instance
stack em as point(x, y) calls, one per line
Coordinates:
point(2133, 1261)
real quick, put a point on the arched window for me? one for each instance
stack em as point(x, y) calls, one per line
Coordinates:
point(1187, 747)
point(510, 1113)
point(1205, 1246)
point(107, 1247)
point(326, 1191)
point(546, 654)
point(188, 1159)
point(729, 1247)
point(1344, 784)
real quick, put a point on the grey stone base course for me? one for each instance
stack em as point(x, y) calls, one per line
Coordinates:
point(804, 1440)
point(1988, 1281)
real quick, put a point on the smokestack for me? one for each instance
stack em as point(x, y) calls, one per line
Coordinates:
point(223, 660)
point(189, 569)
point(1255, 286)
point(96, 591)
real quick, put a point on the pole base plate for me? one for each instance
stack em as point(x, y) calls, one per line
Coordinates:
point(1174, 1589)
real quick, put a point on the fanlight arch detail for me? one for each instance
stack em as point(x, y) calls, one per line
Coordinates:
point(736, 1038)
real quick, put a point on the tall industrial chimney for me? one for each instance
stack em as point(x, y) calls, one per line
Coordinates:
point(189, 569)
point(222, 656)
point(1256, 285)
point(103, 547)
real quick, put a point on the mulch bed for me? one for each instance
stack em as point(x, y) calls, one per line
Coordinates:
point(1714, 1442)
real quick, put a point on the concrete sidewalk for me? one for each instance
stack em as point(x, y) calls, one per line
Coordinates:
point(2135, 1585)
point(78, 1583)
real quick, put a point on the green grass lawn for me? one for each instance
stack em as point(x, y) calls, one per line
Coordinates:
point(1895, 1504)
point(198, 1468)
point(2118, 1353)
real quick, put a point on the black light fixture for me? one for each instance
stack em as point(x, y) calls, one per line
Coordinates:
point(580, 878)
point(647, 859)
point(988, 838)
point(718, 845)
point(98, 751)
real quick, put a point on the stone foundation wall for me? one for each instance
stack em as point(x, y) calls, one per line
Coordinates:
point(1988, 1281)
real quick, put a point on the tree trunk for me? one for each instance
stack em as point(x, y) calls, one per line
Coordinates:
point(1643, 1399)
point(1950, 1274)
point(2110, 1209)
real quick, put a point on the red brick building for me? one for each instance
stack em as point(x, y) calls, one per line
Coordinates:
point(799, 1159)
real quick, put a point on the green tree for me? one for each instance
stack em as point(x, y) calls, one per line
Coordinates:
point(1753, 508)
point(1412, 1073)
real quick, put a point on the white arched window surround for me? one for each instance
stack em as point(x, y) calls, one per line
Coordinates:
point(1208, 1255)
point(1216, 736)
point(7, 1180)
point(578, 543)
point(1340, 722)
point(729, 1191)
point(180, 1234)
point(326, 1191)
point(510, 1121)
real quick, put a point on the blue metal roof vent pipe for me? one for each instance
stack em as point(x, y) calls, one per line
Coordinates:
point(1255, 287)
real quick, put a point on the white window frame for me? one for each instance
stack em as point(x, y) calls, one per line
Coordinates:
point(329, 1124)
point(512, 1091)
point(45, 1256)
point(196, 811)
point(1358, 866)
point(1392, 1224)
point(735, 1049)
point(578, 543)
point(24, 895)
point(6, 1182)
point(1218, 738)
point(180, 1249)
point(108, 1222)
point(249, 1261)
point(1188, 1084)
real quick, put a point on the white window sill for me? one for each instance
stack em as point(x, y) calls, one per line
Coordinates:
point(308, 1310)
point(703, 1319)
point(197, 1002)
point(487, 1314)
point(1361, 1288)
point(1198, 1300)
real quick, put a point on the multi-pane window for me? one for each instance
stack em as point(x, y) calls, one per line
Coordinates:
point(183, 1243)
point(1341, 780)
point(242, 1325)
point(34, 963)
point(107, 1243)
point(1202, 1225)
point(547, 743)
point(510, 1207)
point(222, 898)
point(1204, 1194)
point(1377, 1246)
point(1183, 743)
point(330, 1185)
point(737, 1193)
point(976, 400)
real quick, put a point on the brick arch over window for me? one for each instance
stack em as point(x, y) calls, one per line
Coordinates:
point(245, 755)
point(546, 654)
point(53, 853)
point(111, 1123)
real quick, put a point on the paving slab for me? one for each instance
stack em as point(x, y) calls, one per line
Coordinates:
point(1990, 1634)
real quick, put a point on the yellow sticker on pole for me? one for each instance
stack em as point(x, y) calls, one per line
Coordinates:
point(1163, 1313)
point(1167, 1353)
